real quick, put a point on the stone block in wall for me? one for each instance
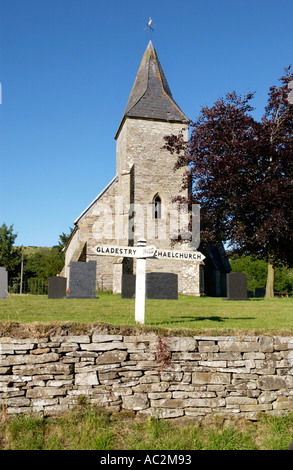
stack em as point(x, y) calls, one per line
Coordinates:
point(265, 367)
point(103, 346)
point(168, 403)
point(54, 368)
point(171, 375)
point(266, 344)
point(10, 345)
point(110, 357)
point(271, 382)
point(281, 343)
point(70, 339)
point(231, 402)
point(108, 377)
point(16, 402)
point(234, 346)
point(163, 413)
point(96, 338)
point(200, 378)
point(283, 403)
point(31, 359)
point(136, 402)
point(86, 378)
point(45, 392)
point(180, 343)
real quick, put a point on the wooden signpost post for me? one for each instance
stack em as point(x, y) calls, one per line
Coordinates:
point(141, 252)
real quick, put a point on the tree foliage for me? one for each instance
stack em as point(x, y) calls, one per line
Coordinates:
point(37, 264)
point(43, 263)
point(64, 238)
point(241, 173)
point(256, 273)
point(10, 256)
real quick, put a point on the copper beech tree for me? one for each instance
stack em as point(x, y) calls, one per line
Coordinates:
point(240, 172)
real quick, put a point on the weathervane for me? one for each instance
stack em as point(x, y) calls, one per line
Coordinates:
point(150, 27)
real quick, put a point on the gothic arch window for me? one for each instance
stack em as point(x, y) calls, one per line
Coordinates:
point(157, 207)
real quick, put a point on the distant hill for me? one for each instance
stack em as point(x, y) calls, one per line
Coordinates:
point(30, 250)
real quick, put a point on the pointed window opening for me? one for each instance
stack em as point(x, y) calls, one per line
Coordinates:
point(157, 207)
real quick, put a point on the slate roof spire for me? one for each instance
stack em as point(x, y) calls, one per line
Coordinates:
point(151, 97)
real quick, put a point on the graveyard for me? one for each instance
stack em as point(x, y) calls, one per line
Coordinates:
point(187, 314)
point(147, 302)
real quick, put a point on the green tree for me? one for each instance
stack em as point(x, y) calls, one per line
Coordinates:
point(240, 172)
point(44, 263)
point(64, 238)
point(10, 256)
point(54, 262)
point(256, 272)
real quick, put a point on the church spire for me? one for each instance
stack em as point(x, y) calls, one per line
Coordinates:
point(151, 97)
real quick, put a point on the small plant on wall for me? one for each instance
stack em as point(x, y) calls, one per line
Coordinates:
point(163, 354)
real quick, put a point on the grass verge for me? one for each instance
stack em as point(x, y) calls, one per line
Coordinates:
point(88, 428)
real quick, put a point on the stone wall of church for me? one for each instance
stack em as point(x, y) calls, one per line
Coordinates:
point(139, 144)
point(69, 253)
point(98, 226)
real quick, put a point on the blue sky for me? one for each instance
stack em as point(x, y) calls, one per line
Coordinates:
point(67, 68)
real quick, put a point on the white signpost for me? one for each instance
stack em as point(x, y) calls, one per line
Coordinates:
point(141, 252)
point(140, 281)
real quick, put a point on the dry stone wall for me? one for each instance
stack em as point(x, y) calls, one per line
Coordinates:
point(169, 377)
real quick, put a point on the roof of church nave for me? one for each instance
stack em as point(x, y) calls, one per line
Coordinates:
point(151, 97)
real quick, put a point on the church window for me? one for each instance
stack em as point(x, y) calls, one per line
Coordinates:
point(157, 207)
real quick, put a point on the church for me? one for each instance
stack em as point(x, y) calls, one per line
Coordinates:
point(138, 202)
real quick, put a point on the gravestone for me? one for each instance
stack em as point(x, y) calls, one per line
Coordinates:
point(260, 292)
point(57, 287)
point(158, 286)
point(162, 286)
point(128, 286)
point(237, 286)
point(82, 280)
point(3, 283)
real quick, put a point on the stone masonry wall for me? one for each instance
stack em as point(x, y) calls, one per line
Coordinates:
point(170, 377)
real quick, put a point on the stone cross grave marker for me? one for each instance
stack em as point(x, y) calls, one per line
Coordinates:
point(141, 252)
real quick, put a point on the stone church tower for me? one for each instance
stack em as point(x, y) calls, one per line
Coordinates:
point(137, 203)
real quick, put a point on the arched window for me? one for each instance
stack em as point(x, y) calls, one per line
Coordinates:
point(157, 205)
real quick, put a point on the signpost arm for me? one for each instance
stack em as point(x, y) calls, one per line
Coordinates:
point(140, 284)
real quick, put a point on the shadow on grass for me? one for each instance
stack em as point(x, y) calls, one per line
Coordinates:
point(213, 318)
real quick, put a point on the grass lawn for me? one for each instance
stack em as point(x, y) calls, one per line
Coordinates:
point(197, 314)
